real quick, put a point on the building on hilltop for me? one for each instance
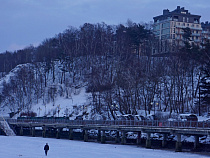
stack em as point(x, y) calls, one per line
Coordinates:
point(169, 29)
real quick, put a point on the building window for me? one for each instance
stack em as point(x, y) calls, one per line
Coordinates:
point(196, 21)
point(173, 36)
point(176, 18)
point(183, 19)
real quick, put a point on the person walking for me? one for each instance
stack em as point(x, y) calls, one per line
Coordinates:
point(46, 148)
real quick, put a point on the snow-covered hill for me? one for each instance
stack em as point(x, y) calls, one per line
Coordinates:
point(84, 85)
point(74, 106)
point(49, 93)
point(49, 98)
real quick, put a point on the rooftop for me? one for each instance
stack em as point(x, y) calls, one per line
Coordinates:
point(178, 11)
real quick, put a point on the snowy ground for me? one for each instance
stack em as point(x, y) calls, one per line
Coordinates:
point(32, 147)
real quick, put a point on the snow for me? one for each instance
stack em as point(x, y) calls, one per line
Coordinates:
point(63, 104)
point(203, 118)
point(32, 147)
point(11, 74)
point(29, 147)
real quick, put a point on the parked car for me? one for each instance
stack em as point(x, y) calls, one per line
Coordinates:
point(121, 117)
point(80, 117)
point(125, 117)
point(188, 117)
point(139, 117)
point(129, 116)
point(150, 117)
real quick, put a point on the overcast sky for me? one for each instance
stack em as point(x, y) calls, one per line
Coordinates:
point(25, 22)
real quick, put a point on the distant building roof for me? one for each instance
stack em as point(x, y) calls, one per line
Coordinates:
point(178, 11)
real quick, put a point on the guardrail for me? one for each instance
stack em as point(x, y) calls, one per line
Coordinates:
point(133, 123)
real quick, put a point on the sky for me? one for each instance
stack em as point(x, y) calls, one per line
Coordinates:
point(32, 147)
point(29, 22)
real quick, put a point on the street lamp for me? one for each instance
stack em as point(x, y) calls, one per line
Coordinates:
point(151, 106)
point(59, 109)
point(39, 110)
point(114, 107)
point(45, 109)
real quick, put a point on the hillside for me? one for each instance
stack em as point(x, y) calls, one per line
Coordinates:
point(114, 66)
point(55, 92)
point(77, 97)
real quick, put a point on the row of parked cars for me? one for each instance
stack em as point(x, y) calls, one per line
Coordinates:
point(180, 117)
point(130, 117)
point(188, 117)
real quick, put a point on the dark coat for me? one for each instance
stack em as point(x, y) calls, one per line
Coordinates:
point(46, 147)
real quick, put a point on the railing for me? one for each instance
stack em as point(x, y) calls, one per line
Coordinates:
point(131, 123)
point(191, 27)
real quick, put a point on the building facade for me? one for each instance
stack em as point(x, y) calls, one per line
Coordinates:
point(205, 31)
point(168, 28)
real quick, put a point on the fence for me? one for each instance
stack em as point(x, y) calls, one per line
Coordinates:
point(133, 123)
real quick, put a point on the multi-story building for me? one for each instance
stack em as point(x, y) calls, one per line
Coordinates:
point(168, 28)
point(205, 31)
